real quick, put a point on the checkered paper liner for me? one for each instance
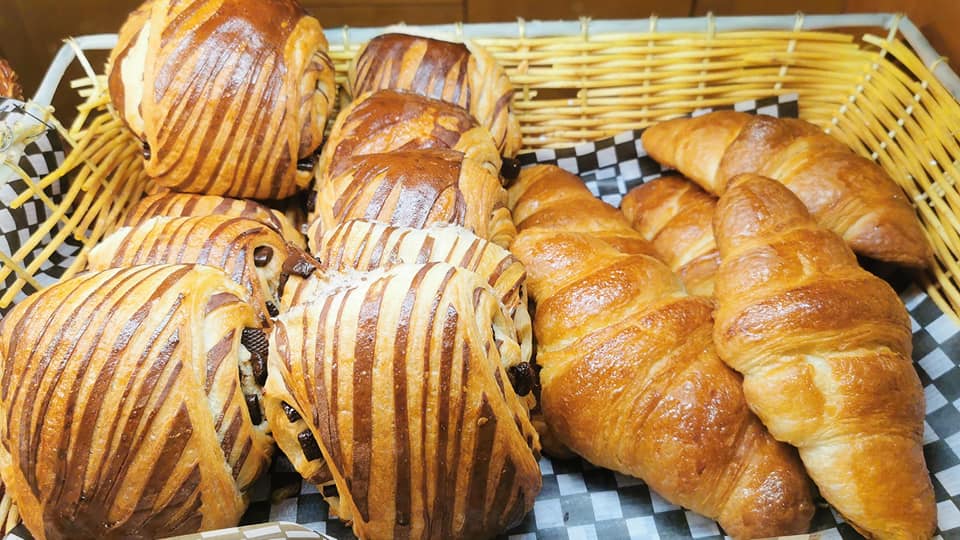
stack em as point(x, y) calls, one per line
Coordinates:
point(40, 155)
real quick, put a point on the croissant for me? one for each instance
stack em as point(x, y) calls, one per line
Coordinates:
point(846, 193)
point(548, 195)
point(253, 137)
point(251, 253)
point(463, 74)
point(386, 120)
point(129, 406)
point(415, 189)
point(9, 84)
point(170, 204)
point(437, 445)
point(824, 347)
point(630, 379)
point(677, 216)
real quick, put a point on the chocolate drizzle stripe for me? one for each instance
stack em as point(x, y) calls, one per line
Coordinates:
point(216, 355)
point(486, 432)
point(444, 468)
point(365, 355)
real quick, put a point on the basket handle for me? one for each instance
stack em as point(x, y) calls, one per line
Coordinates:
point(65, 56)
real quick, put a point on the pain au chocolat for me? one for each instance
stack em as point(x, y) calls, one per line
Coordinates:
point(229, 97)
point(463, 74)
point(129, 405)
point(251, 253)
point(171, 204)
point(437, 443)
point(415, 189)
point(387, 120)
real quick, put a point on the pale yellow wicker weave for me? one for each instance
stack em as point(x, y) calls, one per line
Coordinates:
point(875, 95)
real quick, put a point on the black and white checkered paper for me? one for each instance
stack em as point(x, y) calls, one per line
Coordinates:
point(37, 156)
point(580, 501)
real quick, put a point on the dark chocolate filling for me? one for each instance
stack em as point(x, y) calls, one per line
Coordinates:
point(255, 340)
point(312, 200)
point(253, 405)
point(522, 378)
point(309, 445)
point(262, 256)
point(510, 168)
point(292, 414)
point(146, 151)
point(272, 309)
point(307, 164)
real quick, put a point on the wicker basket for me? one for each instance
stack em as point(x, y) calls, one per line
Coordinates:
point(585, 80)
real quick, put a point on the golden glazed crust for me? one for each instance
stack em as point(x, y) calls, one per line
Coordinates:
point(630, 379)
point(824, 348)
point(437, 444)
point(248, 251)
point(228, 95)
point(463, 74)
point(677, 217)
point(121, 408)
point(415, 189)
point(846, 193)
point(387, 120)
point(170, 204)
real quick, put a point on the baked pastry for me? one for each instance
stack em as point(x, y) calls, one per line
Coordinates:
point(129, 406)
point(9, 82)
point(415, 189)
point(439, 447)
point(677, 216)
point(253, 137)
point(364, 246)
point(824, 347)
point(170, 204)
point(387, 120)
point(630, 379)
point(251, 253)
point(846, 193)
point(463, 74)
point(547, 197)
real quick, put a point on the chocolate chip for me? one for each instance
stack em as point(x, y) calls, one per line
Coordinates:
point(272, 309)
point(307, 164)
point(329, 490)
point(510, 168)
point(292, 414)
point(146, 150)
point(309, 445)
point(521, 378)
point(253, 405)
point(262, 256)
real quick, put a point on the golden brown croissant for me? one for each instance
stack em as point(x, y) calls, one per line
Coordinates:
point(824, 347)
point(415, 189)
point(463, 74)
point(170, 204)
point(677, 216)
point(129, 407)
point(387, 120)
point(230, 97)
point(437, 444)
point(251, 253)
point(546, 197)
point(630, 379)
point(9, 84)
point(848, 194)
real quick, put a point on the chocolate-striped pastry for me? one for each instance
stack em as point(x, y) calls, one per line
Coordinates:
point(387, 120)
point(464, 74)
point(251, 253)
point(415, 189)
point(171, 204)
point(437, 444)
point(130, 406)
point(229, 97)
point(9, 82)
point(364, 245)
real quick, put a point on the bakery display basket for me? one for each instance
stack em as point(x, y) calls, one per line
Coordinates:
point(871, 80)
